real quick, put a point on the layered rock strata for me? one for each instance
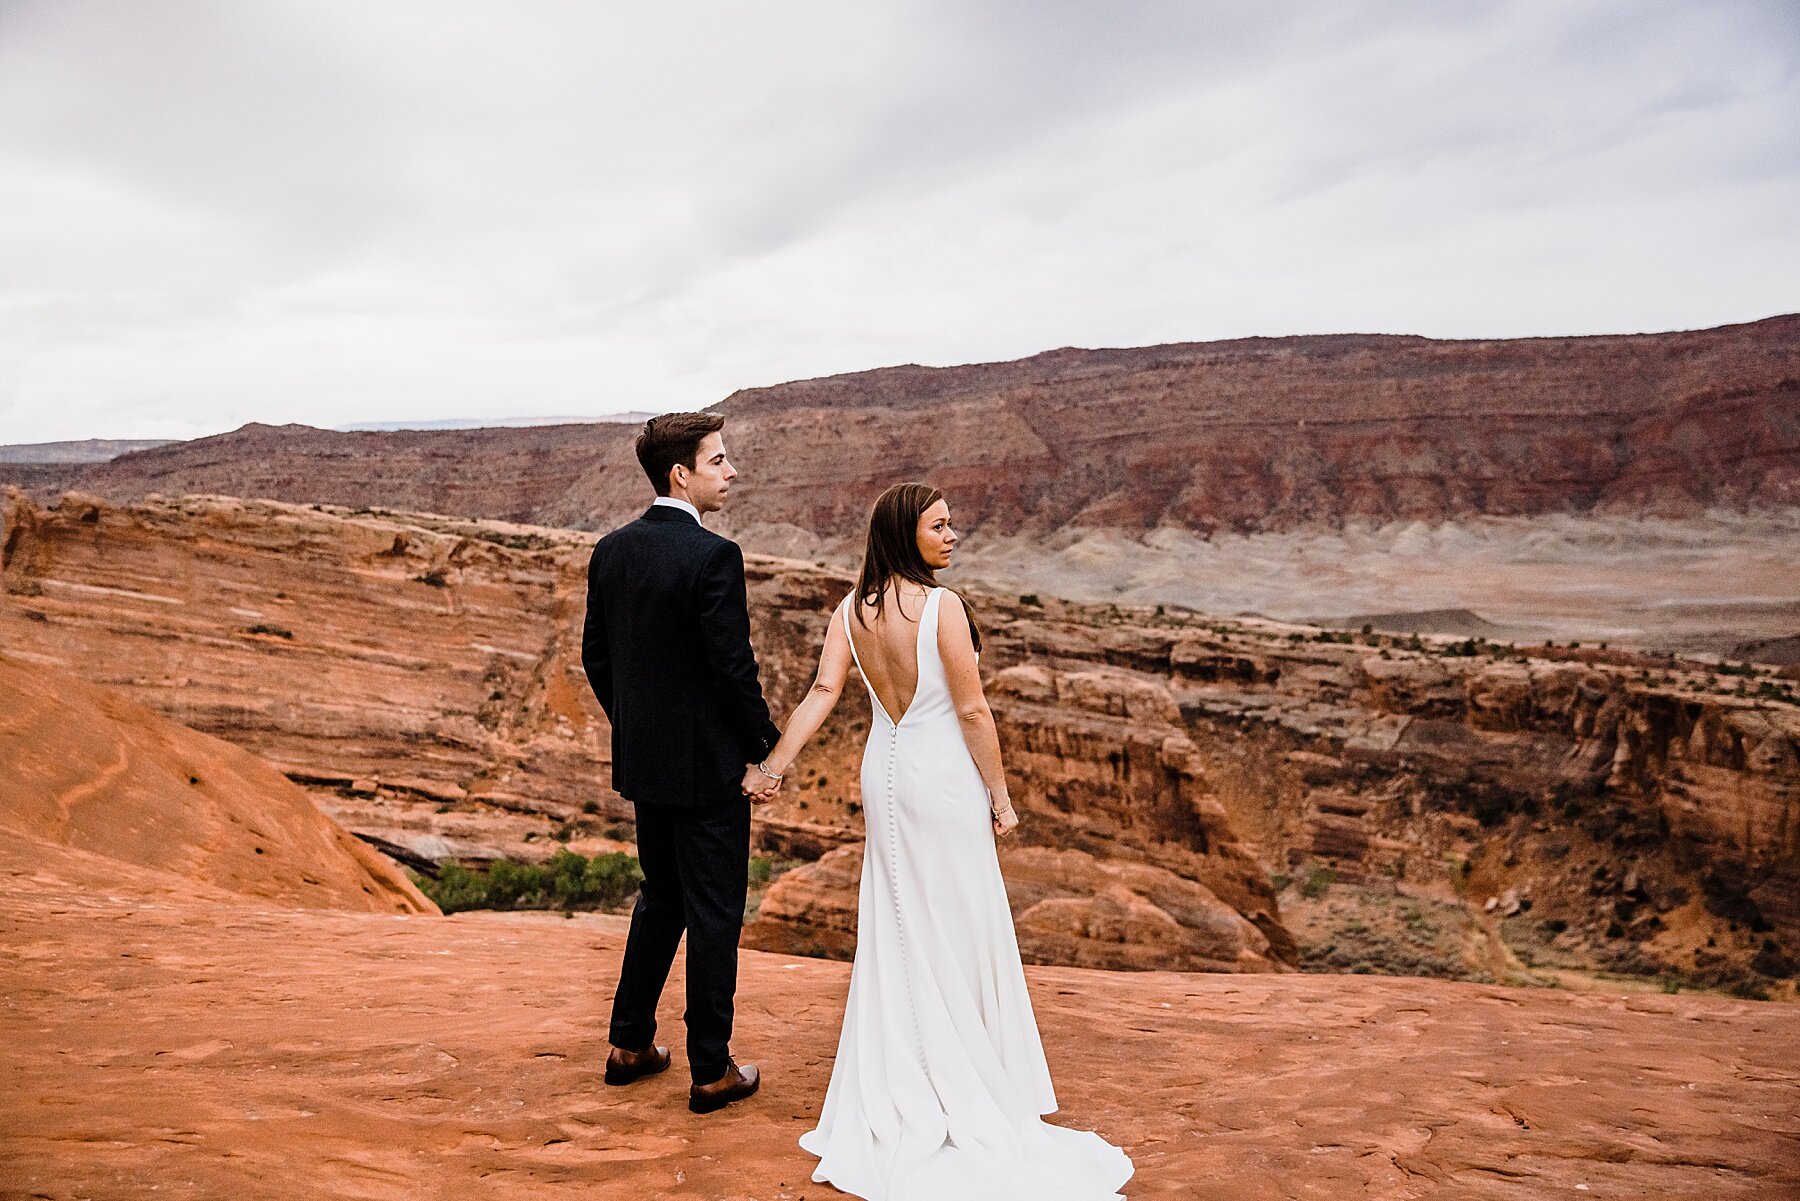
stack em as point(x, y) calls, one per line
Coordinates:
point(1625, 812)
point(1249, 434)
point(420, 675)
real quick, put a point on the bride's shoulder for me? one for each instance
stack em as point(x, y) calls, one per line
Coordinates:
point(950, 605)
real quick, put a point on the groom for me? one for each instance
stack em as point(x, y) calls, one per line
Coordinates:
point(667, 650)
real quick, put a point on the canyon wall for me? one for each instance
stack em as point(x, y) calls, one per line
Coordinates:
point(1423, 806)
point(1197, 792)
point(421, 677)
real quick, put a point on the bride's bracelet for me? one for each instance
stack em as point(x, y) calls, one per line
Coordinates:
point(763, 767)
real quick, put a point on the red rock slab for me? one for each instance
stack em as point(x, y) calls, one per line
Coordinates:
point(85, 767)
point(161, 1039)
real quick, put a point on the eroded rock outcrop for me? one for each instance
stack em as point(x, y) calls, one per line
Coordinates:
point(420, 676)
point(82, 768)
point(392, 667)
point(1069, 907)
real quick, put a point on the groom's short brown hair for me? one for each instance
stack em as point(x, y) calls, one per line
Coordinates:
point(670, 439)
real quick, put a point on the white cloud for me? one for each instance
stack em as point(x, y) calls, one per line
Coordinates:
point(331, 212)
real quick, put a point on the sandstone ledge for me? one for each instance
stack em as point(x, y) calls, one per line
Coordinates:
point(202, 1049)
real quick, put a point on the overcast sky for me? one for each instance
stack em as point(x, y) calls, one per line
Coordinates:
point(334, 212)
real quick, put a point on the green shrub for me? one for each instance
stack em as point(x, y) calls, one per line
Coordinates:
point(1317, 881)
point(568, 881)
point(612, 877)
point(456, 888)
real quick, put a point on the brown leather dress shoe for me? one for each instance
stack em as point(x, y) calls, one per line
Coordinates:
point(736, 1084)
point(622, 1066)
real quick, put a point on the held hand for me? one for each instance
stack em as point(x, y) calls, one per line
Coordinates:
point(759, 786)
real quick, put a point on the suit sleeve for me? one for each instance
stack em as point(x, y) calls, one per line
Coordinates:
point(596, 653)
point(724, 612)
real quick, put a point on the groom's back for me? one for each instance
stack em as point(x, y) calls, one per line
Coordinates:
point(652, 649)
point(646, 573)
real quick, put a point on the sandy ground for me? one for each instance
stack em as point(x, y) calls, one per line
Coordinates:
point(165, 1039)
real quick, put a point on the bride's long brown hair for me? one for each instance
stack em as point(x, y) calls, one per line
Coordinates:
point(893, 550)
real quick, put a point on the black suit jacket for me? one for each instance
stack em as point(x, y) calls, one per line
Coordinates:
point(666, 647)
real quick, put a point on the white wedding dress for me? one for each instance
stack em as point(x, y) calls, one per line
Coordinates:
point(940, 1081)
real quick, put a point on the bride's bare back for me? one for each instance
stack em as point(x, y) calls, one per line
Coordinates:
point(887, 646)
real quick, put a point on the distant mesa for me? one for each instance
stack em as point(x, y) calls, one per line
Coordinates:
point(482, 423)
point(1783, 652)
point(87, 450)
point(1249, 435)
point(1462, 623)
point(1595, 468)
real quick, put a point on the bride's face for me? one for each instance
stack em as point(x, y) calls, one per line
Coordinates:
point(936, 536)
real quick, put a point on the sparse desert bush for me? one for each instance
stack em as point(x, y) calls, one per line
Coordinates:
point(1317, 881)
point(513, 541)
point(568, 881)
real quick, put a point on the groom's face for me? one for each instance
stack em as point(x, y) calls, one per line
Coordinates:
point(709, 481)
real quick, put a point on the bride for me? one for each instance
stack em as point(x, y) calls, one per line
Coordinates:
point(940, 1083)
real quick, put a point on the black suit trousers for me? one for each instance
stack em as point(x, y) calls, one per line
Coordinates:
point(696, 863)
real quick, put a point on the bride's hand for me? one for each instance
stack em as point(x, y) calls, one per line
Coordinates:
point(759, 786)
point(1005, 819)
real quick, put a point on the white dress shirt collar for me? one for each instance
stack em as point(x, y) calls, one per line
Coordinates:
point(677, 503)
